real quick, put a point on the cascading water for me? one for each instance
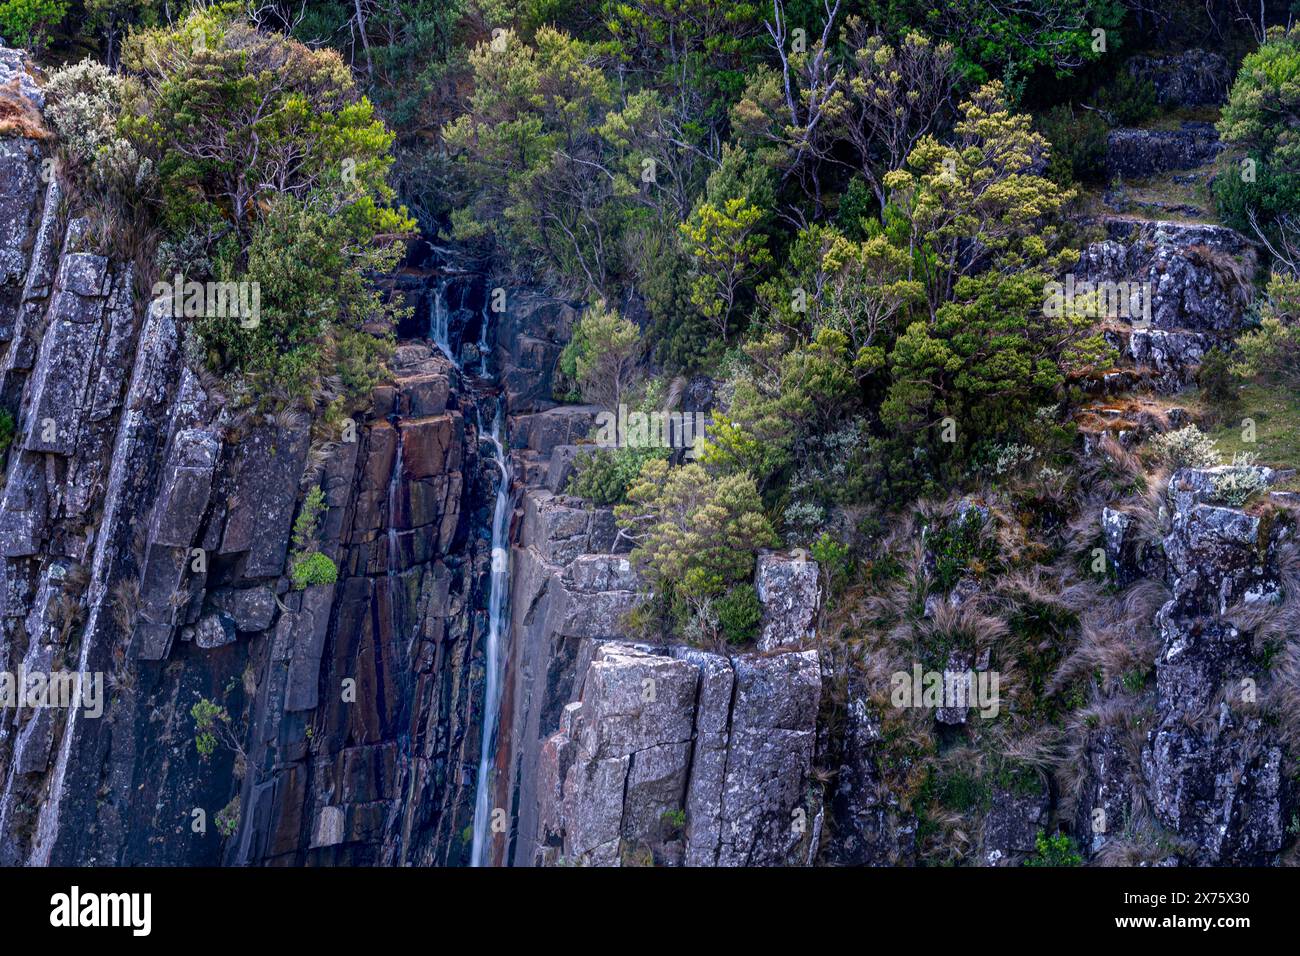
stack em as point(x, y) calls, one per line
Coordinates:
point(440, 321)
point(499, 589)
point(483, 344)
point(394, 489)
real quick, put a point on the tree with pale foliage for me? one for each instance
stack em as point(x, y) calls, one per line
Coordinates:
point(603, 356)
point(535, 174)
point(729, 252)
point(868, 289)
point(894, 95)
point(695, 535)
point(1272, 351)
point(980, 232)
point(978, 203)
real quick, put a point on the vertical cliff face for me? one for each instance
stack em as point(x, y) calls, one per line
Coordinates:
point(145, 533)
point(145, 529)
point(1211, 765)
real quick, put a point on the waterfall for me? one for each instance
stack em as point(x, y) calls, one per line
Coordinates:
point(483, 345)
point(394, 489)
point(440, 320)
point(499, 589)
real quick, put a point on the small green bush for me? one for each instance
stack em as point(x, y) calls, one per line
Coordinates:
point(1217, 381)
point(833, 557)
point(1056, 850)
point(958, 546)
point(27, 23)
point(739, 613)
point(1127, 101)
point(307, 566)
point(206, 714)
point(675, 819)
point(227, 818)
point(8, 428)
point(604, 476)
point(313, 569)
point(1259, 123)
point(304, 526)
point(1078, 139)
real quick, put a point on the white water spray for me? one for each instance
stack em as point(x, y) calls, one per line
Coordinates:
point(483, 344)
point(499, 589)
point(394, 489)
point(440, 321)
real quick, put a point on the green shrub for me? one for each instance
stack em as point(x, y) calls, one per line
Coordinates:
point(1056, 850)
point(675, 819)
point(1217, 381)
point(601, 358)
point(8, 428)
point(958, 546)
point(1260, 118)
point(1272, 350)
point(832, 555)
point(315, 568)
point(309, 515)
point(209, 717)
point(1078, 139)
point(82, 104)
point(1126, 100)
point(604, 475)
point(307, 566)
point(697, 536)
point(289, 198)
point(739, 614)
point(27, 23)
point(227, 818)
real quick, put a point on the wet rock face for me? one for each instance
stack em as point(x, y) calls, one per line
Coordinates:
point(1190, 78)
point(1138, 153)
point(682, 757)
point(532, 332)
point(160, 524)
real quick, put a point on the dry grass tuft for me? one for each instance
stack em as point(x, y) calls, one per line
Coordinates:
point(19, 115)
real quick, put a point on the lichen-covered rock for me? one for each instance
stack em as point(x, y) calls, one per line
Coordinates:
point(214, 630)
point(1128, 555)
point(686, 758)
point(1111, 790)
point(1016, 816)
point(565, 425)
point(1193, 283)
point(251, 609)
point(1212, 765)
point(269, 464)
point(787, 587)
